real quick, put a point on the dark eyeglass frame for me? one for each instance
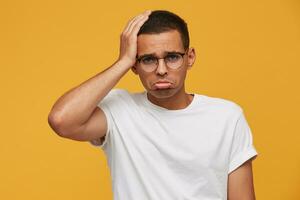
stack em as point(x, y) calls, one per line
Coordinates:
point(158, 58)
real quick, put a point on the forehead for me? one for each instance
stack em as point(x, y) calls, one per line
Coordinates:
point(159, 43)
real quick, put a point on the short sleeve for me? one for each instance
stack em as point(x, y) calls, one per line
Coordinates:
point(107, 104)
point(242, 148)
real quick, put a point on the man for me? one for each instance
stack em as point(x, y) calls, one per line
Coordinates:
point(163, 143)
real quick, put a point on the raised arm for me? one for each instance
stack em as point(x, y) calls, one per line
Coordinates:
point(75, 114)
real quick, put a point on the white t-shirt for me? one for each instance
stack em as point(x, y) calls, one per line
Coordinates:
point(158, 154)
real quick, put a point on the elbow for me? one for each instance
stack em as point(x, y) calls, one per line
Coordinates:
point(56, 123)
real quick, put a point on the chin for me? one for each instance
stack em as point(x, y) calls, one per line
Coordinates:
point(162, 93)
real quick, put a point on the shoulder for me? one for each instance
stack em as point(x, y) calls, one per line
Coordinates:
point(114, 96)
point(118, 94)
point(118, 91)
point(221, 106)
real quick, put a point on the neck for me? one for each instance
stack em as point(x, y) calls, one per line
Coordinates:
point(178, 101)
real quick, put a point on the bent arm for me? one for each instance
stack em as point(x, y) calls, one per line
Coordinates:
point(75, 114)
point(72, 110)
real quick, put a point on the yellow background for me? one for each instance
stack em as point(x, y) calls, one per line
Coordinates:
point(247, 52)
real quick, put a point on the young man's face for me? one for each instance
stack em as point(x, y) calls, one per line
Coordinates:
point(159, 44)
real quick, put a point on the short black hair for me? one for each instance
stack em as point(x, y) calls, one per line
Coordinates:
point(160, 21)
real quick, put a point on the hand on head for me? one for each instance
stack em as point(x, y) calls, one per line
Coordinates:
point(128, 38)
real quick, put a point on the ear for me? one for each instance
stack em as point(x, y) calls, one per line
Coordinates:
point(134, 70)
point(191, 57)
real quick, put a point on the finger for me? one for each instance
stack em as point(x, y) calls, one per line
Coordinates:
point(148, 12)
point(132, 21)
point(129, 27)
point(129, 23)
point(138, 25)
point(137, 20)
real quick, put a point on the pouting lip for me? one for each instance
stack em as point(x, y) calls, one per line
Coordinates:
point(162, 81)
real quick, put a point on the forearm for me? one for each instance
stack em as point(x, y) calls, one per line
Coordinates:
point(72, 110)
point(76, 106)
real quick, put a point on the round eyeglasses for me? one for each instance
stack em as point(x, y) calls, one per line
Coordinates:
point(173, 60)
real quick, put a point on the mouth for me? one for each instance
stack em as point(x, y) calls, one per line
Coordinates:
point(162, 85)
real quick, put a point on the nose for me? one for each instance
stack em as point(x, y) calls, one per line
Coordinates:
point(162, 67)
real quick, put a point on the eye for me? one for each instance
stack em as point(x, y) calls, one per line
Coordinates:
point(148, 60)
point(172, 57)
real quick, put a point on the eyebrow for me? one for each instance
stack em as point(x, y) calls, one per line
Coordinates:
point(153, 54)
